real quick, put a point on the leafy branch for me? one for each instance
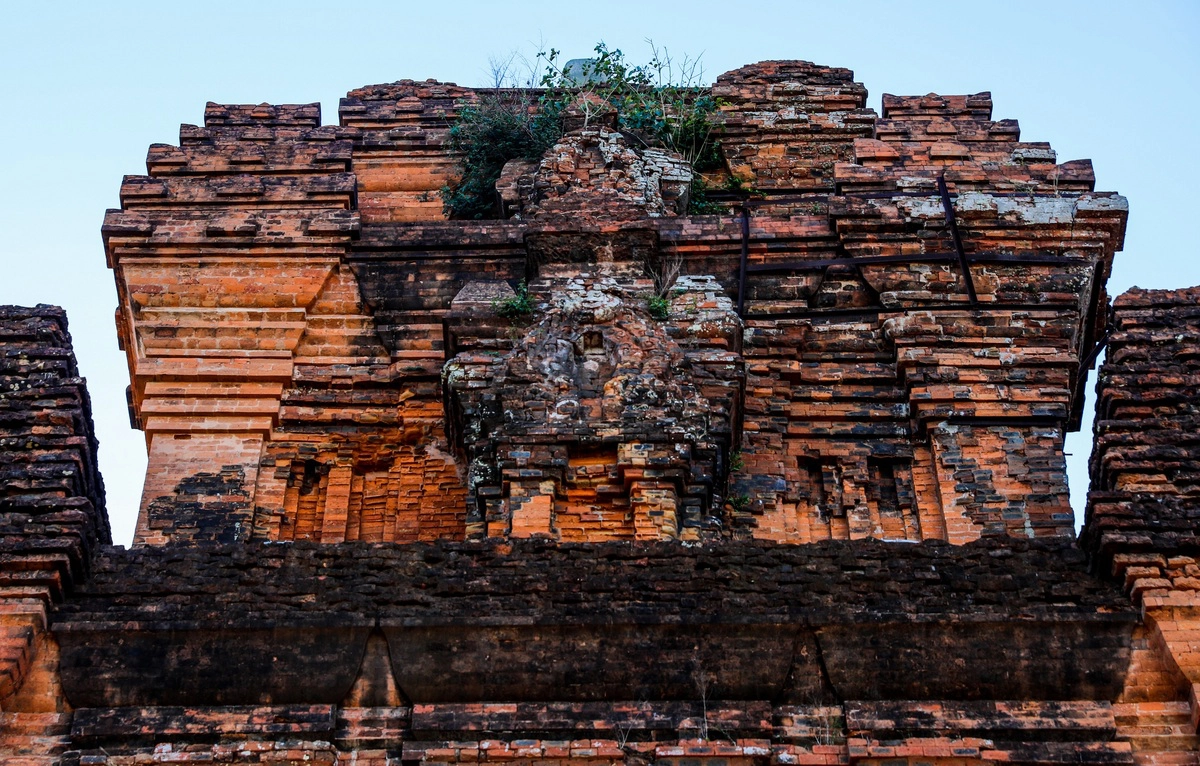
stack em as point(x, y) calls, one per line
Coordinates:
point(662, 103)
point(518, 305)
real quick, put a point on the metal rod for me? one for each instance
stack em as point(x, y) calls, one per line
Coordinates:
point(868, 260)
point(848, 261)
point(741, 305)
point(1101, 342)
point(958, 246)
point(1089, 360)
point(827, 195)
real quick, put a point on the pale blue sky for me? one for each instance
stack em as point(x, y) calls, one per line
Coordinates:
point(85, 88)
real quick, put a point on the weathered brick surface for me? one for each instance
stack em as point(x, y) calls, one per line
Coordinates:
point(211, 333)
point(955, 136)
point(53, 497)
point(598, 422)
point(1027, 732)
point(1143, 517)
point(34, 739)
point(1145, 492)
point(576, 178)
point(248, 372)
point(52, 514)
point(88, 725)
point(967, 438)
point(335, 409)
point(880, 399)
point(492, 621)
point(523, 578)
point(785, 124)
point(1024, 732)
point(401, 158)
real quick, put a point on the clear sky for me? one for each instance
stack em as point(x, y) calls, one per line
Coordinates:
point(85, 88)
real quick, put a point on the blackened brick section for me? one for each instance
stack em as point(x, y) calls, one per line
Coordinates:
point(534, 621)
point(51, 496)
point(206, 505)
point(1145, 466)
point(582, 583)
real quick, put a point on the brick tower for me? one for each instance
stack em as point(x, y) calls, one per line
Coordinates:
point(599, 481)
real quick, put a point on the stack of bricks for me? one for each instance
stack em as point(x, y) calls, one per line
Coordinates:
point(1146, 464)
point(984, 732)
point(52, 519)
point(401, 157)
point(52, 511)
point(955, 136)
point(958, 396)
point(786, 124)
point(245, 326)
point(577, 177)
point(220, 253)
point(1143, 516)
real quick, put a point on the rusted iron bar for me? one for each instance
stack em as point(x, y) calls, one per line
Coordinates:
point(825, 196)
point(867, 260)
point(832, 315)
point(948, 206)
point(1089, 360)
point(741, 304)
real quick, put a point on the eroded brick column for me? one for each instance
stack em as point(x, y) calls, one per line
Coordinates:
point(990, 392)
point(52, 520)
point(1142, 519)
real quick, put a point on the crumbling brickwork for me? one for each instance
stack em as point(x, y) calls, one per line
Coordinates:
point(52, 518)
point(632, 649)
point(890, 361)
point(601, 482)
point(1143, 515)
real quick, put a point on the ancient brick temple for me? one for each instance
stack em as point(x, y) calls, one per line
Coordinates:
point(430, 491)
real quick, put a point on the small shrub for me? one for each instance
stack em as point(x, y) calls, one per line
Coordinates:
point(740, 502)
point(488, 134)
point(519, 305)
point(736, 462)
point(659, 307)
point(699, 202)
point(661, 103)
